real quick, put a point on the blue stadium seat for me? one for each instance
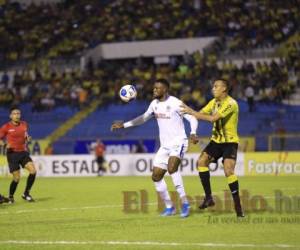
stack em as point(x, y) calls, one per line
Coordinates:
point(41, 124)
point(258, 124)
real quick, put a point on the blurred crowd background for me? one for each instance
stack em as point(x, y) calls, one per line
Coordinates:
point(60, 30)
point(256, 47)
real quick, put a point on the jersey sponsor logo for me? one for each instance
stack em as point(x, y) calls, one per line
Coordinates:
point(225, 110)
point(161, 116)
point(11, 130)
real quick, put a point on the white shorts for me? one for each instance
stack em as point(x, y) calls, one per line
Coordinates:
point(162, 156)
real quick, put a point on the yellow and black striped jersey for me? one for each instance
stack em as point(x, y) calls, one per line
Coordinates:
point(225, 129)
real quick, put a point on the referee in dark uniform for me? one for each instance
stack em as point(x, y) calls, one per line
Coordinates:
point(16, 134)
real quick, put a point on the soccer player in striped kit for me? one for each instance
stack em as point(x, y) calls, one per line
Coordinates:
point(223, 112)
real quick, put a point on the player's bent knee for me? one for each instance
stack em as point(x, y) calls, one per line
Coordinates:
point(228, 172)
point(16, 178)
point(203, 160)
point(33, 172)
point(31, 168)
point(201, 163)
point(172, 170)
point(156, 177)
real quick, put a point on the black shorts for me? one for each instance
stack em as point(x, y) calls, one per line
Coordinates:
point(17, 159)
point(100, 159)
point(218, 150)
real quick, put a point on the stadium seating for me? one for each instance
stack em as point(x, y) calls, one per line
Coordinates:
point(97, 124)
point(259, 124)
point(66, 29)
point(43, 123)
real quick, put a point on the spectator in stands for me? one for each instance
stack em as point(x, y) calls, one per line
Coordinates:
point(272, 82)
point(281, 132)
point(82, 97)
point(47, 102)
point(4, 79)
point(246, 25)
point(139, 147)
point(49, 149)
point(249, 93)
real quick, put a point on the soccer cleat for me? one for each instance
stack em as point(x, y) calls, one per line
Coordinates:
point(168, 211)
point(207, 202)
point(27, 197)
point(100, 173)
point(185, 210)
point(240, 214)
point(238, 207)
point(3, 199)
point(239, 210)
point(11, 200)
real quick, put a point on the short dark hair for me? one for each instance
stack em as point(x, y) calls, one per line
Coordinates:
point(164, 82)
point(13, 108)
point(226, 83)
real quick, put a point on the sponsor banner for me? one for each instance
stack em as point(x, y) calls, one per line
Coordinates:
point(118, 165)
point(246, 144)
point(272, 163)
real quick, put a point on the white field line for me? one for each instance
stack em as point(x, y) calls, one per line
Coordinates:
point(148, 243)
point(87, 207)
point(64, 208)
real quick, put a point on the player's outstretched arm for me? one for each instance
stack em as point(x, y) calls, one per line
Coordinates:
point(117, 125)
point(199, 115)
point(194, 125)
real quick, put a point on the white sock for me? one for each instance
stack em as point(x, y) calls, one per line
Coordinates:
point(178, 183)
point(161, 188)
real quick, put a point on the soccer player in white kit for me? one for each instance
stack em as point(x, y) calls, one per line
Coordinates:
point(173, 143)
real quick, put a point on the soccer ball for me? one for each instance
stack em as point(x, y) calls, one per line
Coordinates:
point(127, 93)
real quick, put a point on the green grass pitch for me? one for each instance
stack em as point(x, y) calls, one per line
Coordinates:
point(87, 213)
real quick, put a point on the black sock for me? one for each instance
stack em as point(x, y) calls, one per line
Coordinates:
point(30, 181)
point(234, 188)
point(12, 188)
point(205, 180)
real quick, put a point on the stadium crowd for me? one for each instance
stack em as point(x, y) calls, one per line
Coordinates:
point(190, 76)
point(64, 29)
point(67, 28)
